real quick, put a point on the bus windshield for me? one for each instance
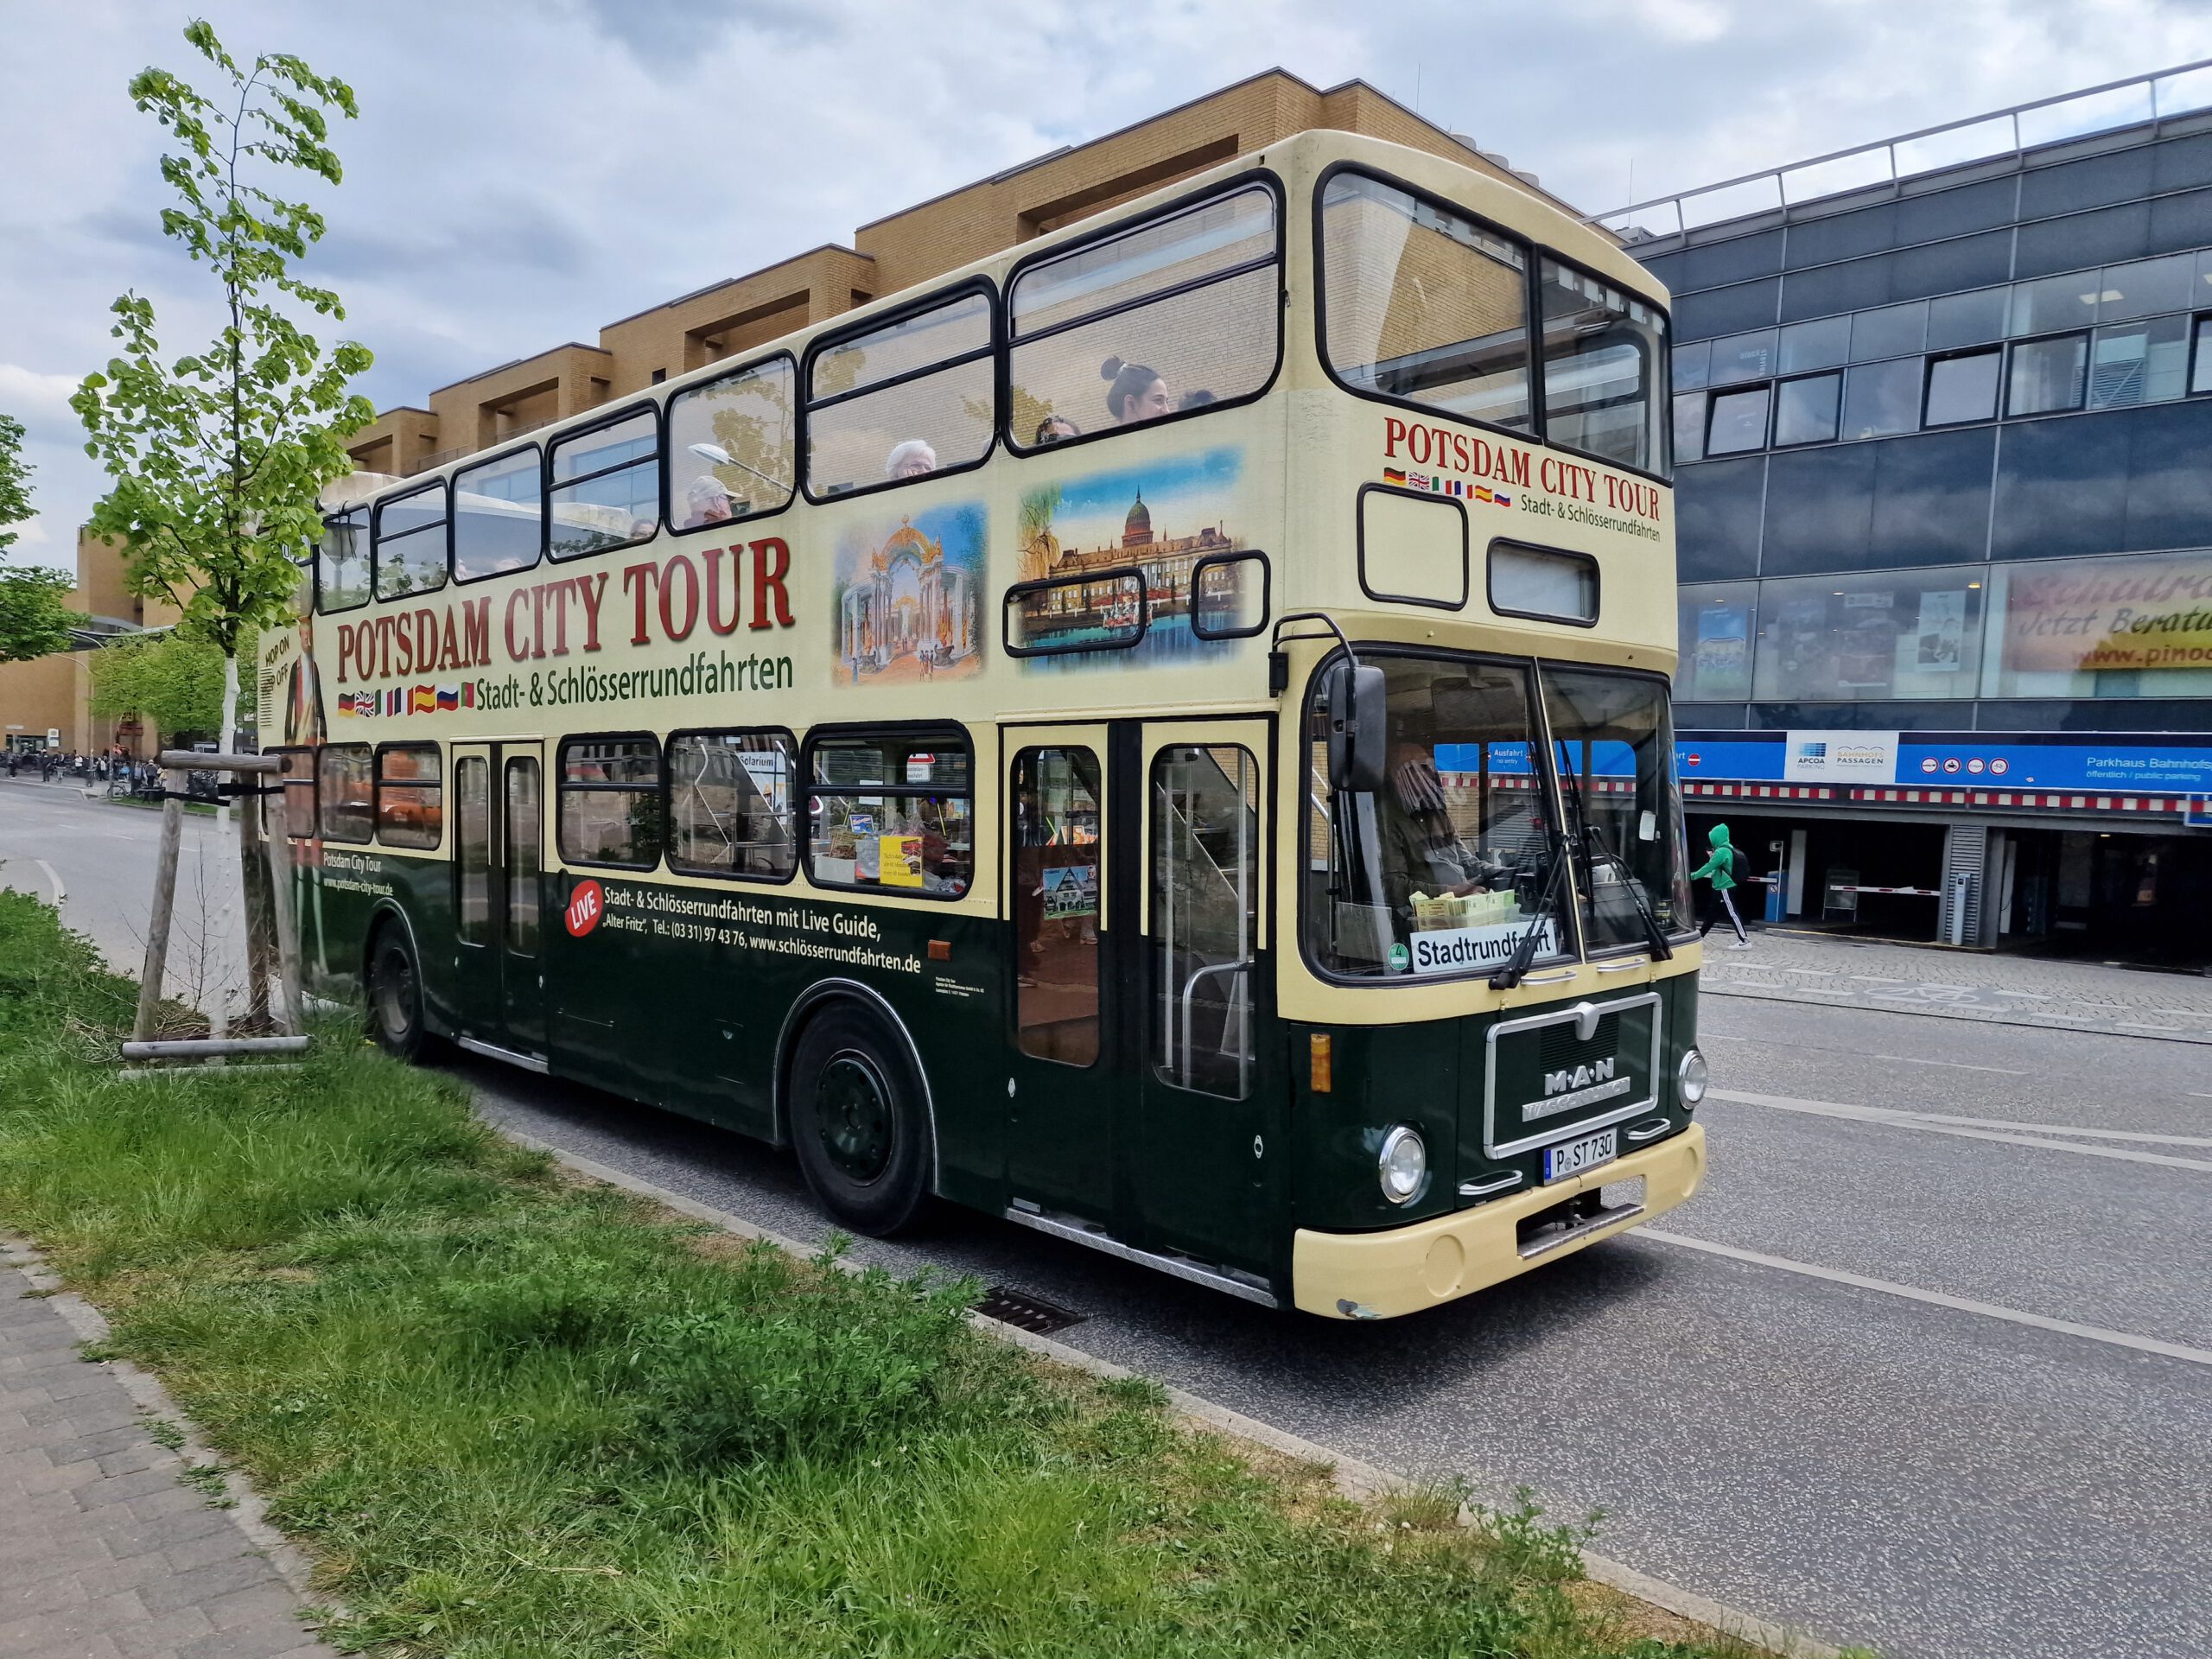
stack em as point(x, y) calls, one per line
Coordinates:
point(1445, 868)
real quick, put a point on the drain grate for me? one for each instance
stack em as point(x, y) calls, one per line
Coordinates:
point(1031, 1313)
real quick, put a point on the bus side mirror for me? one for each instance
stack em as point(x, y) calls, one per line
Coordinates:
point(1358, 730)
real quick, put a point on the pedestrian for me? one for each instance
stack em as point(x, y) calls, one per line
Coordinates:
point(1720, 873)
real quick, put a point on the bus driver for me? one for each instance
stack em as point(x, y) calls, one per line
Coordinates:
point(1421, 849)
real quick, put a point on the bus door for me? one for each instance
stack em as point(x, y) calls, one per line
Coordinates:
point(1198, 1157)
point(498, 855)
point(1071, 902)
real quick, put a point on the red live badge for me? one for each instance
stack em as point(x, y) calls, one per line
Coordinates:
point(586, 906)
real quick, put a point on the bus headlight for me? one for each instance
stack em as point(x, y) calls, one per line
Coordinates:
point(1403, 1163)
point(1690, 1078)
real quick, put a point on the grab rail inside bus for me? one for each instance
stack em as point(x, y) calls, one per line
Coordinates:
point(1235, 1009)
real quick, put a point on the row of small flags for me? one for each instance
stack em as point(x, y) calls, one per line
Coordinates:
point(1438, 485)
point(405, 700)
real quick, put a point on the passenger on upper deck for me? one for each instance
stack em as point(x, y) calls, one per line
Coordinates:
point(707, 500)
point(1138, 393)
point(1056, 428)
point(912, 459)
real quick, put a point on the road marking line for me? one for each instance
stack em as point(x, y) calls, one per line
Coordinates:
point(59, 891)
point(1913, 1121)
point(1955, 1065)
point(1936, 1298)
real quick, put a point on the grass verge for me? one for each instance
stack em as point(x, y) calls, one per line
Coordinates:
point(508, 1416)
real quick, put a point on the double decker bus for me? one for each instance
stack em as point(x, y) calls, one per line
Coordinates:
point(1161, 735)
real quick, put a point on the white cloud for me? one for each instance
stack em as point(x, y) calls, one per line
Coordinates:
point(521, 176)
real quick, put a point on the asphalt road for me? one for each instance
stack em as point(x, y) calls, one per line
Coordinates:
point(1940, 1387)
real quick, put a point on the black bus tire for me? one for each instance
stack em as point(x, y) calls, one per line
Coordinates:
point(395, 995)
point(857, 1122)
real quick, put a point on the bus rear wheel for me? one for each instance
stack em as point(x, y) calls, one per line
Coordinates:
point(395, 996)
point(862, 1141)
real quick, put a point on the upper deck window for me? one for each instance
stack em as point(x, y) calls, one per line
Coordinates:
point(1424, 303)
point(498, 516)
point(730, 447)
point(1604, 370)
point(341, 562)
point(1166, 317)
point(910, 398)
point(607, 485)
point(410, 542)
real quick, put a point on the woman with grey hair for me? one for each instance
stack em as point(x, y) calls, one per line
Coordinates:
point(912, 459)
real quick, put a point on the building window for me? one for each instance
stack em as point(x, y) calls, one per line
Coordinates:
point(1694, 366)
point(891, 812)
point(409, 544)
point(1603, 353)
point(1738, 421)
point(341, 562)
point(2048, 375)
point(1717, 622)
point(1805, 410)
point(1893, 331)
point(1903, 634)
point(1178, 313)
point(732, 447)
point(1824, 343)
point(1882, 399)
point(610, 801)
point(730, 799)
point(2132, 363)
point(1689, 427)
point(909, 398)
point(607, 485)
point(2098, 628)
point(410, 806)
point(345, 791)
point(2054, 303)
point(1743, 357)
point(1973, 319)
point(2146, 287)
point(2200, 377)
point(1963, 388)
point(498, 516)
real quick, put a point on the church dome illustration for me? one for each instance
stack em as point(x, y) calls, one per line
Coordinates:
point(1136, 529)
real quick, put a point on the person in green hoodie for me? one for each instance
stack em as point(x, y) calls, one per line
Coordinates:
point(1719, 873)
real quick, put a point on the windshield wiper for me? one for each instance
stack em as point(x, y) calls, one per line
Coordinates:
point(1594, 843)
point(1524, 949)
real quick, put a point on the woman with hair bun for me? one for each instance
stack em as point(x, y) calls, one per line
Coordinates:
point(1137, 393)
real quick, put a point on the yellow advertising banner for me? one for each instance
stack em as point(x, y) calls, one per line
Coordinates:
point(2087, 615)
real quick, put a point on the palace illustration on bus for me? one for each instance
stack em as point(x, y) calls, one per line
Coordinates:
point(1161, 736)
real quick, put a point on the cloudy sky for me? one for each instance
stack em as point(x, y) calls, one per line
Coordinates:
point(524, 172)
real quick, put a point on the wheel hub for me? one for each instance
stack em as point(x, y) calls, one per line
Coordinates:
point(855, 1113)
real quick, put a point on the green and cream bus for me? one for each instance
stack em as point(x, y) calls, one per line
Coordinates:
point(1161, 736)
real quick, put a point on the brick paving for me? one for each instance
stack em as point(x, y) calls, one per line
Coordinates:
point(1787, 967)
point(104, 1551)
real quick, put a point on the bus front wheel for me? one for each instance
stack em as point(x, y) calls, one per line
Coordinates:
point(862, 1141)
point(395, 996)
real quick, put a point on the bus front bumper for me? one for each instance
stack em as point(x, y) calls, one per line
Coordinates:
point(1382, 1275)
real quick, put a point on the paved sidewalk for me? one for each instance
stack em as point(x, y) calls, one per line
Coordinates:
point(104, 1551)
point(1787, 967)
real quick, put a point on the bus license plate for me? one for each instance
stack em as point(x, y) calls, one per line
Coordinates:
point(1573, 1157)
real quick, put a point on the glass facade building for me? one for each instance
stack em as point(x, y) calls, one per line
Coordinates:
point(1942, 438)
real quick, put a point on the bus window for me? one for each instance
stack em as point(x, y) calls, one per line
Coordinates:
point(473, 847)
point(610, 801)
point(1178, 313)
point(887, 811)
point(341, 562)
point(1612, 742)
point(912, 398)
point(1604, 370)
point(1422, 303)
point(607, 485)
point(730, 447)
point(521, 822)
point(409, 808)
point(299, 793)
point(1056, 894)
point(1206, 881)
point(344, 791)
point(729, 803)
point(498, 516)
point(408, 548)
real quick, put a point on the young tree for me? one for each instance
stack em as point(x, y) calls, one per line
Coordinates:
point(217, 457)
point(34, 622)
point(169, 678)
